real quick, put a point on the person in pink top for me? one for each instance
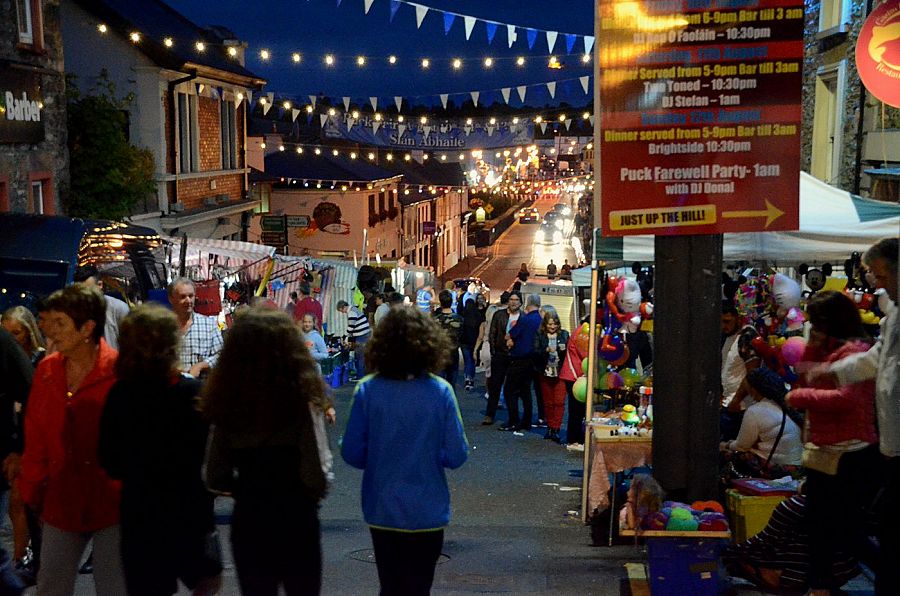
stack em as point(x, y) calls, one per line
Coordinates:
point(840, 424)
point(307, 305)
point(570, 370)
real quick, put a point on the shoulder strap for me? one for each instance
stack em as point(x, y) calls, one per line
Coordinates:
point(777, 438)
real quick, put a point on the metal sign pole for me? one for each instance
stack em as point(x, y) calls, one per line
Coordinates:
point(589, 399)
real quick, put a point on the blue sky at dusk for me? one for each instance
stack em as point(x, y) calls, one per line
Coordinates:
point(315, 28)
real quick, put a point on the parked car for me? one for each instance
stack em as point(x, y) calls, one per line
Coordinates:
point(529, 215)
point(555, 219)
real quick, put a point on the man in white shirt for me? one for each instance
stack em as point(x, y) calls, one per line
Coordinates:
point(116, 310)
point(201, 340)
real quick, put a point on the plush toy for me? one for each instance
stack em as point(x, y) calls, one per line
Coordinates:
point(629, 415)
point(707, 506)
point(712, 522)
point(682, 525)
point(612, 348)
point(655, 521)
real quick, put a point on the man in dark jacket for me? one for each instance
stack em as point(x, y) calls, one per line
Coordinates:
point(520, 340)
point(501, 323)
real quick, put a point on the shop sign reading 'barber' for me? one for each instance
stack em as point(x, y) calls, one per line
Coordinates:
point(21, 108)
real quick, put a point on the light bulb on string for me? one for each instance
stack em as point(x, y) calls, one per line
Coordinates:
point(331, 111)
point(426, 62)
point(299, 149)
point(329, 60)
point(309, 109)
point(135, 37)
point(392, 60)
point(317, 151)
point(168, 42)
point(586, 115)
point(264, 54)
point(355, 114)
point(286, 105)
point(371, 156)
point(488, 62)
point(360, 60)
point(296, 57)
point(377, 117)
point(457, 63)
point(586, 58)
point(102, 28)
point(520, 61)
point(400, 118)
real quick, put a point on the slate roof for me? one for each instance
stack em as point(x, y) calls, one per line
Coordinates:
point(308, 166)
point(157, 20)
point(429, 172)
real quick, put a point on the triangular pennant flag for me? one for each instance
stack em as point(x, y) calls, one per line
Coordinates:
point(323, 118)
point(401, 129)
point(426, 130)
point(588, 43)
point(543, 127)
point(570, 42)
point(338, 2)
point(249, 96)
point(470, 24)
point(551, 87)
point(474, 95)
point(511, 35)
point(374, 102)
point(346, 104)
point(367, 4)
point(532, 37)
point(449, 17)
point(505, 93)
point(584, 82)
point(490, 130)
point(271, 97)
point(238, 98)
point(294, 113)
point(522, 89)
point(376, 124)
point(551, 40)
point(491, 31)
point(591, 120)
point(312, 100)
point(421, 11)
point(398, 101)
point(266, 107)
point(568, 123)
point(444, 97)
point(351, 122)
point(395, 4)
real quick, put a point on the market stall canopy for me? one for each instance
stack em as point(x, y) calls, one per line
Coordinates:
point(233, 249)
point(833, 224)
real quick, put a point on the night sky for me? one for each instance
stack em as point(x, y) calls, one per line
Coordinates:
point(315, 28)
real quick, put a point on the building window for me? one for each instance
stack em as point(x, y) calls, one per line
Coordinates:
point(188, 133)
point(372, 212)
point(828, 123)
point(381, 210)
point(228, 131)
point(28, 13)
point(833, 13)
point(40, 193)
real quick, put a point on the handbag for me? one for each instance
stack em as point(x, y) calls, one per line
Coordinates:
point(821, 460)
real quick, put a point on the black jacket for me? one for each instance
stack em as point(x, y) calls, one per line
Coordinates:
point(540, 347)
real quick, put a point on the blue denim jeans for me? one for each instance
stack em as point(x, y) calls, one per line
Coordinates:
point(359, 361)
point(468, 353)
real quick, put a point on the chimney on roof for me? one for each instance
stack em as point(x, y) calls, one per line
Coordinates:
point(229, 40)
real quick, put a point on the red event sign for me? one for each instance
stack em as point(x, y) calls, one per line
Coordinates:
point(878, 53)
point(700, 115)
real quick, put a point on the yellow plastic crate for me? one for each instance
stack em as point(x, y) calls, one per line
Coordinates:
point(750, 514)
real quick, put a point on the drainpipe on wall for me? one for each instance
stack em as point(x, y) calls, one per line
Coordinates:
point(173, 148)
point(857, 174)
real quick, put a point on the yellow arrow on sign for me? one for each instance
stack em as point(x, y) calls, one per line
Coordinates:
point(771, 213)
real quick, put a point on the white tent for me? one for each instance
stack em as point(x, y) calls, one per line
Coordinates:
point(833, 224)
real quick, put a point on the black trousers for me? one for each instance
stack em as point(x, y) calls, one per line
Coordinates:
point(887, 578)
point(406, 560)
point(519, 379)
point(499, 365)
point(574, 425)
point(835, 510)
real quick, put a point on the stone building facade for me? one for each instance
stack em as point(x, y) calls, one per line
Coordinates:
point(34, 162)
point(845, 142)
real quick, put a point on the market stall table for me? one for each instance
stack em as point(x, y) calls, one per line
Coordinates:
point(613, 455)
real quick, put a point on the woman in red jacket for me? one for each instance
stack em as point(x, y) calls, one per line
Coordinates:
point(61, 479)
point(841, 427)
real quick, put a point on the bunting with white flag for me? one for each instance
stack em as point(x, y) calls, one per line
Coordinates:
point(591, 120)
point(398, 101)
point(551, 87)
point(401, 128)
point(376, 124)
point(521, 90)
point(551, 40)
point(511, 35)
point(543, 127)
point(266, 107)
point(323, 118)
point(444, 97)
point(588, 43)
point(505, 93)
point(584, 82)
point(474, 95)
point(294, 113)
point(469, 22)
point(346, 103)
point(568, 123)
point(374, 102)
point(426, 130)
point(367, 5)
point(490, 130)
point(271, 97)
point(421, 11)
point(312, 100)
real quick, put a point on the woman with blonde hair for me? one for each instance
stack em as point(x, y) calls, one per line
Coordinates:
point(19, 321)
point(264, 452)
point(153, 439)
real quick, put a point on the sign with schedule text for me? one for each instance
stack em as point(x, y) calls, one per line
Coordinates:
point(700, 115)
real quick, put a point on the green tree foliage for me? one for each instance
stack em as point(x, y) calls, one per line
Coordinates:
point(109, 176)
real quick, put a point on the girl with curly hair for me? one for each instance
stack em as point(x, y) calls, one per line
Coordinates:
point(404, 429)
point(153, 439)
point(263, 451)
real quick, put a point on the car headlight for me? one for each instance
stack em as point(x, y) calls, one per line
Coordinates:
point(557, 236)
point(559, 224)
point(567, 211)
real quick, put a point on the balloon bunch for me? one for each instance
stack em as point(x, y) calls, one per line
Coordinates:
point(771, 303)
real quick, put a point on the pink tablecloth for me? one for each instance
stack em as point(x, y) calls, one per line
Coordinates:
point(609, 457)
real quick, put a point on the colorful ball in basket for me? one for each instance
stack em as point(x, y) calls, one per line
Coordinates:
point(613, 381)
point(579, 389)
point(792, 350)
point(631, 377)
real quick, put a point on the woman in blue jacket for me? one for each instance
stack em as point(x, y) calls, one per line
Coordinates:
point(404, 429)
